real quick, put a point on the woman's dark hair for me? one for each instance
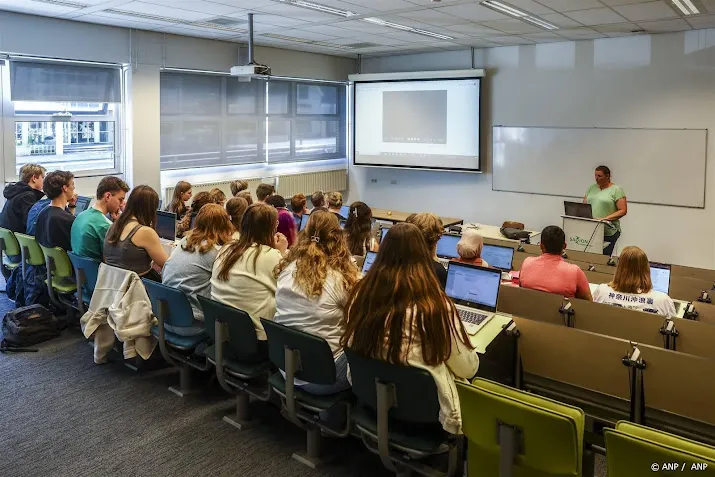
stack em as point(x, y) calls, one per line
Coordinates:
point(212, 228)
point(236, 207)
point(200, 199)
point(276, 201)
point(257, 227)
point(141, 205)
point(177, 204)
point(358, 228)
point(605, 170)
point(401, 285)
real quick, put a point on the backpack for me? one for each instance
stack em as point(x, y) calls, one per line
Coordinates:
point(515, 234)
point(27, 326)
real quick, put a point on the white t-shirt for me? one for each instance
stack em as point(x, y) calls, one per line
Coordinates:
point(651, 302)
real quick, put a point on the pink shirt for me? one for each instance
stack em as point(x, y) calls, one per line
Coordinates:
point(552, 274)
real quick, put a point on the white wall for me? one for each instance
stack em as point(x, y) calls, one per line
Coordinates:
point(147, 52)
point(660, 81)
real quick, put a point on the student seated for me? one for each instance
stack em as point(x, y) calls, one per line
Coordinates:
point(358, 230)
point(470, 247)
point(263, 191)
point(314, 281)
point(297, 206)
point(238, 187)
point(185, 224)
point(400, 314)
point(182, 194)
point(54, 224)
point(286, 224)
point(335, 202)
point(21, 196)
point(432, 229)
point(245, 195)
point(131, 242)
point(190, 264)
point(218, 196)
point(236, 208)
point(242, 275)
point(550, 272)
point(318, 200)
point(90, 227)
point(632, 287)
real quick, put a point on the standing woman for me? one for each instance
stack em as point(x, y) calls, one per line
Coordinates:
point(182, 194)
point(608, 202)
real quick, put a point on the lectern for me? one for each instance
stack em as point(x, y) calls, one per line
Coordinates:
point(584, 235)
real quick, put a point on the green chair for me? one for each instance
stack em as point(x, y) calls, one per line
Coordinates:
point(60, 279)
point(308, 357)
point(240, 368)
point(397, 417)
point(632, 449)
point(514, 433)
point(30, 251)
point(11, 254)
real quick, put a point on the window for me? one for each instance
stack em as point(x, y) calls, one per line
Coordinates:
point(211, 120)
point(66, 116)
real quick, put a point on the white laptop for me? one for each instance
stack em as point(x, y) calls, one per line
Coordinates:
point(475, 291)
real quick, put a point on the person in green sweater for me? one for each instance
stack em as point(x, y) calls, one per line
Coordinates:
point(608, 202)
point(90, 227)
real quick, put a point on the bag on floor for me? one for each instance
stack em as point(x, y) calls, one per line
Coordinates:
point(27, 326)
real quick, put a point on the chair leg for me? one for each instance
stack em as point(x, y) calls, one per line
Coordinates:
point(184, 382)
point(311, 457)
point(242, 420)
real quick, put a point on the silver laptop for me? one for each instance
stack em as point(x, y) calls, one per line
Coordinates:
point(660, 278)
point(447, 248)
point(475, 291)
point(369, 259)
point(498, 256)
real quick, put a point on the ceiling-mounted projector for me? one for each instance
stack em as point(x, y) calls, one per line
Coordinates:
point(252, 69)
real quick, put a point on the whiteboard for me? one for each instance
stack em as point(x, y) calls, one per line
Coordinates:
point(654, 166)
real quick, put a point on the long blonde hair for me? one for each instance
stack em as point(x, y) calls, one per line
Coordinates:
point(321, 247)
point(633, 272)
point(211, 227)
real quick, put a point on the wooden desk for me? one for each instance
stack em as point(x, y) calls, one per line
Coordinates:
point(395, 216)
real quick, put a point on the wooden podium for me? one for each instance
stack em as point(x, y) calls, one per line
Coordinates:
point(584, 235)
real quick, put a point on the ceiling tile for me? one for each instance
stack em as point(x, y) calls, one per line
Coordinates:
point(408, 37)
point(581, 34)
point(411, 23)
point(164, 11)
point(702, 21)
point(342, 5)
point(646, 11)
point(383, 5)
point(570, 5)
point(432, 16)
point(472, 12)
point(24, 6)
point(358, 25)
point(509, 40)
point(121, 20)
point(276, 20)
point(308, 35)
point(512, 25)
point(295, 13)
point(530, 6)
point(619, 29)
point(612, 3)
point(676, 24)
point(596, 16)
point(332, 30)
point(472, 29)
point(543, 37)
point(206, 7)
point(200, 32)
point(709, 5)
point(560, 20)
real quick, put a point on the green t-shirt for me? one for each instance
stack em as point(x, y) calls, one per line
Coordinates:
point(88, 232)
point(603, 204)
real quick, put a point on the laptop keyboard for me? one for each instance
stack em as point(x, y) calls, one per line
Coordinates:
point(472, 317)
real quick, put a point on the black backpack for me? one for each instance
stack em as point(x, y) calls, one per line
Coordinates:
point(27, 326)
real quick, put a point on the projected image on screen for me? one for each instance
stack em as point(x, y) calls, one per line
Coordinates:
point(428, 124)
point(414, 116)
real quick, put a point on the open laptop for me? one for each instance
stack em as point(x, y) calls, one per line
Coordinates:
point(166, 226)
point(660, 277)
point(498, 256)
point(303, 221)
point(578, 209)
point(447, 248)
point(369, 259)
point(82, 204)
point(344, 211)
point(475, 291)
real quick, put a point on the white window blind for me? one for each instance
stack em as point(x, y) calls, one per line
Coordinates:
point(41, 81)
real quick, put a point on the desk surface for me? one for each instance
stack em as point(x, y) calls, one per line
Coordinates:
point(396, 216)
point(494, 232)
point(489, 331)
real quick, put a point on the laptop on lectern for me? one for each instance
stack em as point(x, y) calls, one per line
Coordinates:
point(578, 209)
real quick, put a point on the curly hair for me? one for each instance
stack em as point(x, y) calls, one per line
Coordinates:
point(321, 248)
point(431, 227)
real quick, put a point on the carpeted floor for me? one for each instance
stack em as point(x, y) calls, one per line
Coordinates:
point(62, 415)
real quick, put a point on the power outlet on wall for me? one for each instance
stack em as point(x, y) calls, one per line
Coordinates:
point(374, 181)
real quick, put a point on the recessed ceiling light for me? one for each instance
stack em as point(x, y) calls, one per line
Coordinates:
point(520, 14)
point(308, 42)
point(320, 8)
point(687, 7)
point(397, 26)
point(178, 21)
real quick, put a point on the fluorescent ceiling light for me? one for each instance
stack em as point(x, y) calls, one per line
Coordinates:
point(319, 7)
point(406, 28)
point(686, 6)
point(178, 21)
point(307, 42)
point(522, 15)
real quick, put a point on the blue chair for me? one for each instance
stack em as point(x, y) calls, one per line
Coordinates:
point(86, 271)
point(178, 333)
point(240, 367)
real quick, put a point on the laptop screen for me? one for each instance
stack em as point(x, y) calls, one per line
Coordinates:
point(447, 246)
point(498, 256)
point(475, 286)
point(82, 204)
point(345, 210)
point(383, 232)
point(369, 259)
point(660, 276)
point(578, 209)
point(304, 221)
point(166, 225)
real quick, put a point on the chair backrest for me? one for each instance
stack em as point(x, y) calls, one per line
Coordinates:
point(630, 448)
point(89, 267)
point(316, 357)
point(178, 309)
point(242, 340)
point(550, 434)
point(12, 247)
point(62, 265)
point(34, 252)
point(409, 383)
